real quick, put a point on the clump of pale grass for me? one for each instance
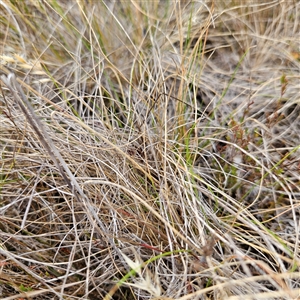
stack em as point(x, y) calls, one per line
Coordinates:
point(149, 150)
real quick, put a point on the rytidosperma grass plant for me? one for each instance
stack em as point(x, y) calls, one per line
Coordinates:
point(149, 150)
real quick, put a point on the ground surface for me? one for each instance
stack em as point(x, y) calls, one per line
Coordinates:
point(149, 150)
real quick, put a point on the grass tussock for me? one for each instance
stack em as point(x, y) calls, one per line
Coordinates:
point(149, 150)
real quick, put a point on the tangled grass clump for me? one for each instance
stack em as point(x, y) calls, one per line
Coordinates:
point(149, 150)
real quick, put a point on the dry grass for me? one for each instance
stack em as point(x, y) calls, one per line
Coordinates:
point(149, 150)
